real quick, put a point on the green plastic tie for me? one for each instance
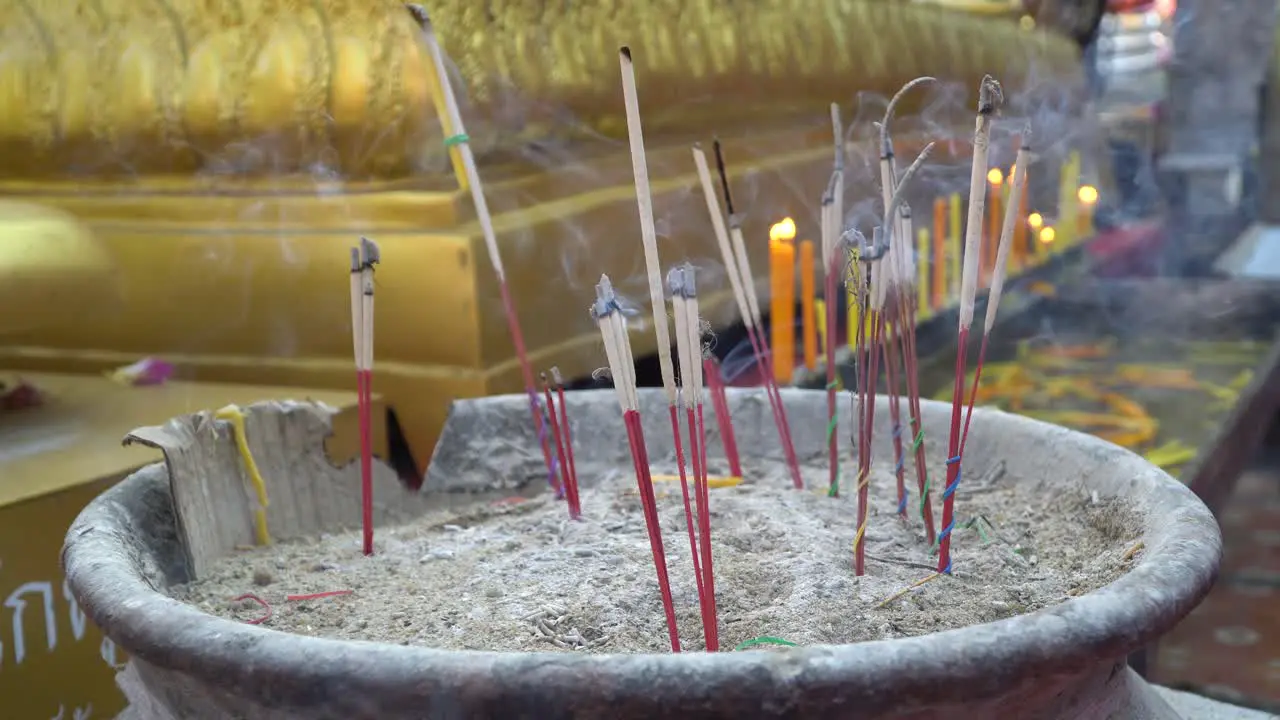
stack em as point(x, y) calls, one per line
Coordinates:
point(455, 140)
point(764, 640)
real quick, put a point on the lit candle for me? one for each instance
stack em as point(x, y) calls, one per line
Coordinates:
point(808, 329)
point(995, 218)
point(954, 253)
point(782, 265)
point(1088, 197)
point(922, 283)
point(939, 253)
point(1047, 238)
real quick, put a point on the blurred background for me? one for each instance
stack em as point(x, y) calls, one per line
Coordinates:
point(178, 191)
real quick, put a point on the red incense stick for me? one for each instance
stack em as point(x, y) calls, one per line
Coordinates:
point(369, 256)
point(720, 403)
point(895, 418)
point(570, 470)
point(733, 252)
point(989, 94)
point(617, 346)
point(558, 438)
point(459, 140)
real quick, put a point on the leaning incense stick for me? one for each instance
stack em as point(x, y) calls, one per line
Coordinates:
point(617, 345)
point(370, 256)
point(740, 280)
point(460, 140)
point(570, 470)
point(1012, 216)
point(676, 283)
point(989, 96)
point(649, 239)
point(724, 419)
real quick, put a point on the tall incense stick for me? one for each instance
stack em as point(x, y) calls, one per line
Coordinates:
point(743, 286)
point(763, 357)
point(462, 142)
point(989, 97)
point(676, 283)
point(832, 263)
point(649, 239)
point(571, 470)
point(617, 347)
point(689, 342)
point(1012, 216)
point(370, 256)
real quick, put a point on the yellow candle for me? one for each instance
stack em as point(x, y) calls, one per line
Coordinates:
point(938, 291)
point(1088, 197)
point(922, 283)
point(953, 246)
point(995, 217)
point(1035, 221)
point(1067, 187)
point(782, 263)
point(820, 317)
point(809, 331)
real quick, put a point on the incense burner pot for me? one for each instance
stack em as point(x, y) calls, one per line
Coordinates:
point(1063, 662)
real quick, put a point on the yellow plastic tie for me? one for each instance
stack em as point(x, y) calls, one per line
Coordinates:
point(234, 415)
point(712, 482)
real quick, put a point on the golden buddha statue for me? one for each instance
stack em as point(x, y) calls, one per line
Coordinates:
point(224, 156)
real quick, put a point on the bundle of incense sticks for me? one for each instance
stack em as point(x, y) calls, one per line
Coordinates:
point(456, 139)
point(617, 347)
point(733, 252)
point(649, 239)
point(989, 97)
point(563, 441)
point(882, 273)
point(684, 302)
point(905, 320)
point(363, 260)
point(720, 402)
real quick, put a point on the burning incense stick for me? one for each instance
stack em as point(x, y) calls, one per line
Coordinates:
point(649, 238)
point(571, 470)
point(689, 344)
point(742, 284)
point(617, 347)
point(676, 283)
point(365, 257)
point(557, 438)
point(724, 419)
point(460, 141)
point(906, 317)
point(1012, 216)
point(989, 97)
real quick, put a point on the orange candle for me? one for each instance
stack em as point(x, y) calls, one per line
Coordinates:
point(809, 332)
point(995, 217)
point(939, 252)
point(782, 266)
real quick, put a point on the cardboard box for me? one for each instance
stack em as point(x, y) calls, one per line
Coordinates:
point(53, 460)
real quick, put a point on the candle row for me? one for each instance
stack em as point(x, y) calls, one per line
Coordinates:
point(938, 251)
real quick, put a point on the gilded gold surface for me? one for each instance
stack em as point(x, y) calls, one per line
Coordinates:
point(277, 86)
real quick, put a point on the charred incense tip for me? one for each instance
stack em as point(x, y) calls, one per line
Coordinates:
point(990, 95)
point(355, 260)
point(419, 15)
point(370, 253)
point(675, 281)
point(606, 299)
point(625, 52)
point(724, 180)
point(690, 280)
point(543, 377)
point(886, 142)
point(556, 377)
point(1026, 137)
point(905, 212)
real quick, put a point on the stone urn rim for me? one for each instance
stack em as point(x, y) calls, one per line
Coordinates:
point(106, 571)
